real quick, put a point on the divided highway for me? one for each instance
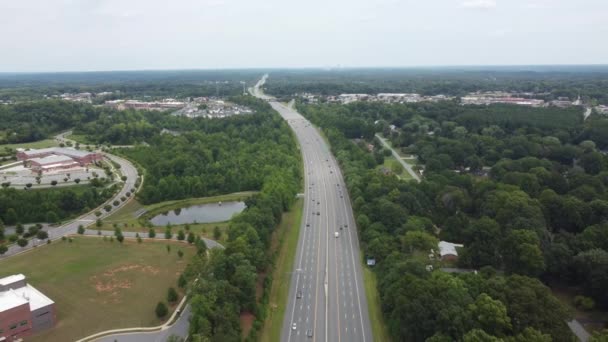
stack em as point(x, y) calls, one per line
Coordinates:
point(326, 297)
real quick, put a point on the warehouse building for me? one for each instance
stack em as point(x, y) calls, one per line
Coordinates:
point(23, 309)
point(55, 158)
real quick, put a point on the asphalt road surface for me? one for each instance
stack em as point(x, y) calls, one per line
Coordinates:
point(326, 297)
point(179, 328)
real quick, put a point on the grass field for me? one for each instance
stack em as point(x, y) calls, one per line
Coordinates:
point(287, 240)
point(392, 164)
point(379, 329)
point(82, 139)
point(100, 285)
point(36, 144)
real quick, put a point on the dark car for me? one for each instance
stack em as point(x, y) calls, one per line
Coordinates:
point(309, 333)
point(318, 213)
point(299, 294)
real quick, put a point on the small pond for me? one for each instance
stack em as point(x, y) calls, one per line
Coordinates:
point(203, 213)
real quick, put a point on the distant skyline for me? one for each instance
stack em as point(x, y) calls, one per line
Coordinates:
point(103, 35)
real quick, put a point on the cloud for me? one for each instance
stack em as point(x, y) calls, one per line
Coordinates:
point(479, 4)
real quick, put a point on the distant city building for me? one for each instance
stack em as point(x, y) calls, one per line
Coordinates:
point(447, 250)
point(488, 98)
point(54, 158)
point(23, 309)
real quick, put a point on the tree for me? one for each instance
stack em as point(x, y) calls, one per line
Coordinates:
point(19, 229)
point(151, 233)
point(77, 180)
point(53, 182)
point(217, 233)
point(172, 295)
point(201, 246)
point(419, 240)
point(161, 310)
point(181, 281)
point(120, 238)
point(180, 254)
point(180, 235)
point(168, 248)
point(98, 223)
point(168, 234)
point(3, 249)
point(22, 242)
point(42, 235)
point(191, 238)
point(10, 217)
point(491, 315)
point(521, 253)
point(52, 217)
point(80, 229)
point(28, 185)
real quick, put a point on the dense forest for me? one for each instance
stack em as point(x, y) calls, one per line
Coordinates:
point(587, 81)
point(538, 218)
point(211, 157)
point(32, 121)
point(49, 205)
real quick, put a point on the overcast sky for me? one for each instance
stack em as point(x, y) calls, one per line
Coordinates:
point(75, 35)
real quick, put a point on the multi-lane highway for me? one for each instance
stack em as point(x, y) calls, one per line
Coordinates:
point(326, 298)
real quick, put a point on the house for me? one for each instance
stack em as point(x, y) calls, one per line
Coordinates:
point(447, 250)
point(23, 309)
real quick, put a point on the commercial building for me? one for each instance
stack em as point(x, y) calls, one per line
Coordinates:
point(23, 309)
point(53, 158)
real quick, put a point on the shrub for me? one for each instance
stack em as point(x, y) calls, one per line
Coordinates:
point(584, 303)
point(172, 295)
point(161, 310)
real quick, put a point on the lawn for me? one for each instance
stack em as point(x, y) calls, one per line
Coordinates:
point(36, 144)
point(379, 328)
point(82, 139)
point(286, 239)
point(99, 285)
point(392, 164)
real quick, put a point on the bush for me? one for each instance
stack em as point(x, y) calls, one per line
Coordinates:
point(3, 249)
point(80, 229)
point(42, 234)
point(108, 208)
point(172, 295)
point(161, 310)
point(181, 281)
point(584, 303)
point(22, 242)
point(151, 233)
point(116, 203)
point(181, 236)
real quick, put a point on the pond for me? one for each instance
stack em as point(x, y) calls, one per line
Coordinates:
point(203, 213)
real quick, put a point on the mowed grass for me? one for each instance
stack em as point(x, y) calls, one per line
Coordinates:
point(379, 329)
point(99, 285)
point(287, 240)
point(36, 144)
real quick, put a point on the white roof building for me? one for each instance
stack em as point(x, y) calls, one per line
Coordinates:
point(14, 291)
point(448, 249)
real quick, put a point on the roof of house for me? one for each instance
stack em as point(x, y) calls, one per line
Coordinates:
point(22, 295)
point(448, 248)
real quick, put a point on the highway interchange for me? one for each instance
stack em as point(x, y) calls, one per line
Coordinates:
point(326, 298)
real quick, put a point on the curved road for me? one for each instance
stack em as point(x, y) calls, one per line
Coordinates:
point(326, 296)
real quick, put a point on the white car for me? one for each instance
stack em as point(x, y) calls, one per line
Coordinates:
point(336, 234)
point(293, 326)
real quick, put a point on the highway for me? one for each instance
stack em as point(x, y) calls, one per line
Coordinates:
point(326, 297)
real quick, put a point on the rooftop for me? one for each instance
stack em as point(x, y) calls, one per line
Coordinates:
point(52, 159)
point(22, 295)
point(448, 248)
point(58, 150)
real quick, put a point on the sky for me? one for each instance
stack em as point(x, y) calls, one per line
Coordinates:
point(87, 35)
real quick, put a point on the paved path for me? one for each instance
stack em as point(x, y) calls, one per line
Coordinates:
point(587, 113)
point(407, 166)
point(579, 330)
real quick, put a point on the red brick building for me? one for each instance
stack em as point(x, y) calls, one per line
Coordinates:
point(23, 309)
point(53, 158)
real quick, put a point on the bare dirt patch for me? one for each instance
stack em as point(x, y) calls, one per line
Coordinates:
point(247, 319)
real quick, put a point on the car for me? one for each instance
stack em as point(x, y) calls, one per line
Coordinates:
point(299, 294)
point(318, 213)
point(336, 234)
point(308, 225)
point(293, 326)
point(340, 227)
point(309, 333)
point(318, 202)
